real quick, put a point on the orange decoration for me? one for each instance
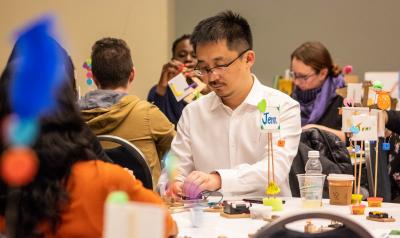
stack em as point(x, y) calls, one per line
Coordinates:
point(281, 143)
point(19, 166)
point(383, 101)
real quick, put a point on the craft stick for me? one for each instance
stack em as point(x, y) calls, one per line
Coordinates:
point(272, 157)
point(355, 167)
point(359, 171)
point(269, 160)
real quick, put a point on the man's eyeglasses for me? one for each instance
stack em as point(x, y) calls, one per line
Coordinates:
point(219, 69)
point(301, 77)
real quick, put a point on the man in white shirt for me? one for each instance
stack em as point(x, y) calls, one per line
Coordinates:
point(219, 143)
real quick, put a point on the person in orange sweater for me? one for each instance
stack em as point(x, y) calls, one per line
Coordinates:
point(66, 197)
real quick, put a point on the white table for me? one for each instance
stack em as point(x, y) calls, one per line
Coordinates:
point(213, 225)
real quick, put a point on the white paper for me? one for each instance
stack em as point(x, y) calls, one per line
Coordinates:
point(270, 120)
point(133, 220)
point(179, 87)
point(367, 126)
point(354, 92)
point(348, 112)
point(381, 121)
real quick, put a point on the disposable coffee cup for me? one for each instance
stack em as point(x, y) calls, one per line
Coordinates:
point(340, 188)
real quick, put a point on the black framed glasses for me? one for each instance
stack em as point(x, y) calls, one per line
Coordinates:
point(295, 76)
point(219, 69)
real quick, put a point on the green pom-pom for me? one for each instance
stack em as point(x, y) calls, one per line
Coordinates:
point(377, 85)
point(118, 197)
point(262, 105)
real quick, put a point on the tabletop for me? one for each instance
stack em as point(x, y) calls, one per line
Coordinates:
point(213, 225)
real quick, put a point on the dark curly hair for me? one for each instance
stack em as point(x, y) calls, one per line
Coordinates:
point(62, 141)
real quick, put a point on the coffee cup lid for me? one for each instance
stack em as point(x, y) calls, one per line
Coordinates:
point(340, 177)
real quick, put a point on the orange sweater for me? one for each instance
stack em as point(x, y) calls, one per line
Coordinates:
point(88, 186)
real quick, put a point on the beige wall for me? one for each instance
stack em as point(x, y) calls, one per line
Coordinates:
point(146, 26)
point(363, 33)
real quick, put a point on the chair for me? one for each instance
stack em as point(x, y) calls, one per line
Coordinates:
point(278, 227)
point(129, 156)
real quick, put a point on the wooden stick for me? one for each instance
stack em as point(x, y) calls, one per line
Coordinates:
point(355, 167)
point(376, 168)
point(272, 157)
point(269, 160)
point(359, 171)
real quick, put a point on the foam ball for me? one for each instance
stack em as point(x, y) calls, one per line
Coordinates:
point(19, 166)
point(383, 101)
point(354, 129)
point(262, 105)
point(23, 131)
point(377, 85)
point(89, 74)
point(348, 69)
point(89, 81)
point(118, 197)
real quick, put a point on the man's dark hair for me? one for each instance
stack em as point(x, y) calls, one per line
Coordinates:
point(176, 42)
point(111, 63)
point(227, 26)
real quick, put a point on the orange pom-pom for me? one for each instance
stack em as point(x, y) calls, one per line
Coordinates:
point(281, 143)
point(383, 101)
point(19, 166)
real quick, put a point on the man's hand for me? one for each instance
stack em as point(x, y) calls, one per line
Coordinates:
point(198, 181)
point(174, 189)
point(169, 70)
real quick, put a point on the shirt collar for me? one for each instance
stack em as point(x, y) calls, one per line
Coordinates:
point(252, 98)
point(255, 94)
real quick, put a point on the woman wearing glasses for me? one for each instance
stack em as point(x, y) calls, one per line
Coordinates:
point(316, 79)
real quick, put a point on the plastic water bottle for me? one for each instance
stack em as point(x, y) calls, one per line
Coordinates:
point(313, 165)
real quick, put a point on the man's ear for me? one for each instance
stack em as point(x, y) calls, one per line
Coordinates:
point(250, 58)
point(96, 82)
point(132, 75)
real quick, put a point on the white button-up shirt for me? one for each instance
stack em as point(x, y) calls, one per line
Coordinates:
point(213, 137)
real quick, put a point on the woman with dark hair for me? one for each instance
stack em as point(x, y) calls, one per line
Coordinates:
point(66, 197)
point(316, 79)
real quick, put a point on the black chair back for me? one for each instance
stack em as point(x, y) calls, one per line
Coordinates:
point(129, 156)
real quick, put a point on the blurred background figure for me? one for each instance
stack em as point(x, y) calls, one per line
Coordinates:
point(183, 60)
point(316, 79)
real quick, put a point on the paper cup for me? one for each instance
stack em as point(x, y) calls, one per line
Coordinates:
point(340, 188)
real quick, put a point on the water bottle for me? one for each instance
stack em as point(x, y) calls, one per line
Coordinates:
point(313, 165)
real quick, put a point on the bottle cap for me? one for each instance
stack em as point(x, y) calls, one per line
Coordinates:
point(313, 153)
